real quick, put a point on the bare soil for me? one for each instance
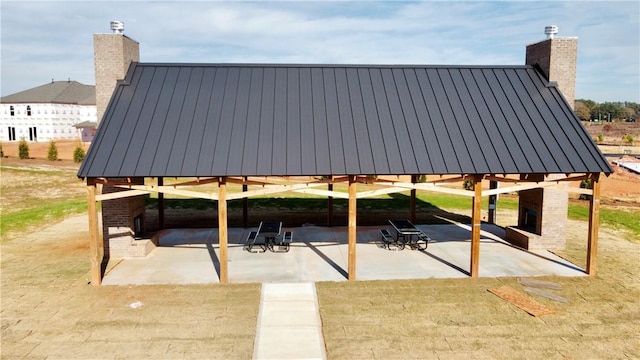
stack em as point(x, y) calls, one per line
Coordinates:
point(48, 310)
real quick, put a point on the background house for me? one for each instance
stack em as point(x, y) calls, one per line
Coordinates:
point(49, 112)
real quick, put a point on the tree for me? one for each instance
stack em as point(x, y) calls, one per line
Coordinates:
point(23, 149)
point(582, 111)
point(52, 155)
point(78, 154)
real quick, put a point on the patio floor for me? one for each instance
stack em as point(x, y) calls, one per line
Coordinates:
point(190, 256)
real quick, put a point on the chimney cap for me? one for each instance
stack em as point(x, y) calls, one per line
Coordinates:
point(551, 31)
point(117, 27)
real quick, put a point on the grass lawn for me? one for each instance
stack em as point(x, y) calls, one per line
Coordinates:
point(49, 311)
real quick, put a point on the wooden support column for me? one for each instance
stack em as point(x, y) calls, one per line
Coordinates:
point(412, 202)
point(594, 226)
point(493, 203)
point(330, 206)
point(96, 247)
point(352, 228)
point(222, 230)
point(476, 225)
point(245, 206)
point(161, 205)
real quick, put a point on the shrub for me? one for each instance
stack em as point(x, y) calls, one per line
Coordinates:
point(468, 185)
point(600, 138)
point(23, 149)
point(52, 155)
point(628, 138)
point(78, 154)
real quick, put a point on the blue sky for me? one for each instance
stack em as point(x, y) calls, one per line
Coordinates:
point(44, 40)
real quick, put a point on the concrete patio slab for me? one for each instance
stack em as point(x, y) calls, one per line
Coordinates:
point(187, 256)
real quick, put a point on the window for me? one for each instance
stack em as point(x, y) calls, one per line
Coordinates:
point(12, 110)
point(12, 133)
point(28, 110)
point(33, 134)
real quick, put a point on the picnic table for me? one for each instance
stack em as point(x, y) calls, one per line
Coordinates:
point(269, 237)
point(406, 233)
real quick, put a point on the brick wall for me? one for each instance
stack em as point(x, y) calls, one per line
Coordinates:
point(557, 58)
point(118, 223)
point(113, 53)
point(551, 207)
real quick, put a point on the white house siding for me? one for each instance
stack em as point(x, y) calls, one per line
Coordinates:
point(50, 121)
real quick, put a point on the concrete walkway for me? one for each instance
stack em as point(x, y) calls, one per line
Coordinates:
point(289, 325)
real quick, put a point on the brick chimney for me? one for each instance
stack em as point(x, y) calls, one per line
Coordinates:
point(113, 53)
point(557, 57)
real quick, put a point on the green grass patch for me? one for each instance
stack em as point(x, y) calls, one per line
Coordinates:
point(45, 213)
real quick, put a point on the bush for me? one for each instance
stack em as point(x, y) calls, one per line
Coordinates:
point(23, 149)
point(52, 155)
point(600, 138)
point(78, 154)
point(628, 138)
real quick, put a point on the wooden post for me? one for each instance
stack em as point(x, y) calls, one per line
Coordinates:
point(493, 203)
point(594, 226)
point(161, 205)
point(352, 228)
point(412, 202)
point(476, 225)
point(95, 247)
point(330, 206)
point(245, 206)
point(222, 229)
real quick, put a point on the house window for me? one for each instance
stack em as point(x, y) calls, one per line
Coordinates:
point(33, 134)
point(12, 110)
point(28, 110)
point(12, 133)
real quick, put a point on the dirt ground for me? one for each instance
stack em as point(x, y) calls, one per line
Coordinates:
point(49, 311)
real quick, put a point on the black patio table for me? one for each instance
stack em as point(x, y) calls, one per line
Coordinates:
point(269, 230)
point(405, 232)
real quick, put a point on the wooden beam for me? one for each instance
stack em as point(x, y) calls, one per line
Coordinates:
point(222, 230)
point(493, 202)
point(272, 189)
point(382, 191)
point(594, 226)
point(245, 206)
point(412, 200)
point(161, 205)
point(352, 228)
point(330, 206)
point(519, 187)
point(476, 226)
point(95, 247)
point(120, 194)
point(321, 192)
point(171, 190)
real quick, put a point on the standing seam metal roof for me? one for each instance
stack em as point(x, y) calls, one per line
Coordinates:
point(287, 120)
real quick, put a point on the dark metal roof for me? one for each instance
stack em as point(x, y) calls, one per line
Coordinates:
point(260, 120)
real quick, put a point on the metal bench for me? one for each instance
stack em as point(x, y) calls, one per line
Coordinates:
point(284, 243)
point(421, 242)
point(251, 242)
point(388, 242)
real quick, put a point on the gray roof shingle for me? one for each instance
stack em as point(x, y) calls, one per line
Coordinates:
point(56, 92)
point(261, 120)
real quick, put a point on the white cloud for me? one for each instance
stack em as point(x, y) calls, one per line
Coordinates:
point(60, 44)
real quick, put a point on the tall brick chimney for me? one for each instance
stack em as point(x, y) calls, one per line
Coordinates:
point(557, 57)
point(113, 53)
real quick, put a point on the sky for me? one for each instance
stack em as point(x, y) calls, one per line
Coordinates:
point(45, 40)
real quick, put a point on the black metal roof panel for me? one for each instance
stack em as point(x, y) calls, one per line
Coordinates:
point(261, 120)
